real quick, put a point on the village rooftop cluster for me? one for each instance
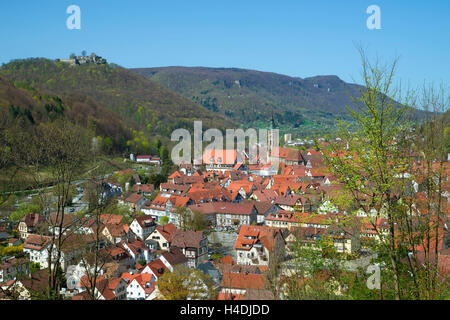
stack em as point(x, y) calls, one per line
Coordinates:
point(254, 212)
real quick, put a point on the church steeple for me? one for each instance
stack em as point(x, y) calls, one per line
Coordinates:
point(272, 122)
point(271, 138)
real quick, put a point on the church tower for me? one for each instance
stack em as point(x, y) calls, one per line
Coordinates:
point(272, 138)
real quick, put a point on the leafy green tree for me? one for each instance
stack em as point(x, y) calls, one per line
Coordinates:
point(11, 251)
point(34, 266)
point(25, 209)
point(197, 221)
point(377, 148)
point(183, 216)
point(185, 284)
point(107, 145)
point(164, 220)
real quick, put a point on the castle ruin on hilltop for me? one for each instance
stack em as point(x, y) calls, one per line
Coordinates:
point(79, 60)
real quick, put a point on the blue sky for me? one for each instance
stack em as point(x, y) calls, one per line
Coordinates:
point(297, 38)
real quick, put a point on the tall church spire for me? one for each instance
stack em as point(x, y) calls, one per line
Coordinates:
point(271, 138)
point(272, 122)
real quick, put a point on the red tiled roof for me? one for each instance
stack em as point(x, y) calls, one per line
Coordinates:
point(249, 235)
point(186, 239)
point(175, 174)
point(243, 281)
point(226, 260)
point(174, 256)
point(116, 230)
point(175, 187)
point(167, 231)
point(289, 200)
point(219, 156)
point(187, 179)
point(157, 267)
point(229, 296)
point(145, 221)
point(143, 188)
point(205, 208)
point(265, 195)
point(36, 242)
point(209, 195)
point(32, 219)
point(160, 202)
point(134, 198)
point(233, 208)
point(111, 218)
point(288, 154)
point(247, 186)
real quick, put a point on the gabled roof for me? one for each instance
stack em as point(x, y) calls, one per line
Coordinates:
point(213, 156)
point(265, 195)
point(174, 256)
point(247, 186)
point(243, 208)
point(174, 187)
point(175, 174)
point(116, 251)
point(243, 281)
point(37, 283)
point(36, 242)
point(135, 246)
point(288, 154)
point(229, 296)
point(258, 294)
point(144, 188)
point(68, 220)
point(157, 267)
point(262, 207)
point(145, 280)
point(160, 202)
point(104, 286)
point(145, 221)
point(134, 198)
point(111, 218)
point(228, 260)
point(186, 239)
point(167, 231)
point(32, 220)
point(250, 235)
point(307, 233)
point(205, 208)
point(289, 200)
point(210, 195)
point(116, 230)
point(187, 179)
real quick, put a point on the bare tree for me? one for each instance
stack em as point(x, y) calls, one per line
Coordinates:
point(57, 149)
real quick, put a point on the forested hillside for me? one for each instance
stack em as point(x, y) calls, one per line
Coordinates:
point(250, 96)
point(146, 108)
